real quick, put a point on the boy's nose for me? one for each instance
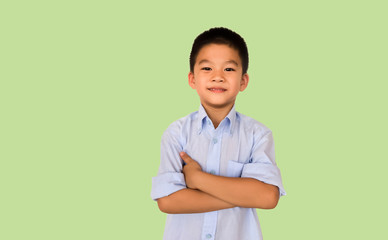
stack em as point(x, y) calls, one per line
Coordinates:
point(218, 76)
point(218, 79)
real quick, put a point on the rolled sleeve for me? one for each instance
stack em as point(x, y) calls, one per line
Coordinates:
point(170, 177)
point(166, 184)
point(262, 165)
point(266, 173)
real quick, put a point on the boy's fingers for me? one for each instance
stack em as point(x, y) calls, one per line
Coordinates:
point(185, 157)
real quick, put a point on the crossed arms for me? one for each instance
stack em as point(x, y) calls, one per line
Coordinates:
point(206, 192)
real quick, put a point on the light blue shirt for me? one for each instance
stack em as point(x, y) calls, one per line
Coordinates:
point(239, 147)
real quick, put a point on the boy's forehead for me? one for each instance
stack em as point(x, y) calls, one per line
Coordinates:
point(211, 52)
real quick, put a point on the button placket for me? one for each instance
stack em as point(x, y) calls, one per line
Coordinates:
point(212, 167)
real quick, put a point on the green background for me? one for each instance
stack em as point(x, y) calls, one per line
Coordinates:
point(88, 87)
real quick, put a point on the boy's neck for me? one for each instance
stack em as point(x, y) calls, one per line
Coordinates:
point(216, 115)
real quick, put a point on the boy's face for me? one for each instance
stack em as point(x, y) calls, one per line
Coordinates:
point(217, 76)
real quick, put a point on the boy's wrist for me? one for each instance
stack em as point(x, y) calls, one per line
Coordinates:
point(200, 180)
point(194, 182)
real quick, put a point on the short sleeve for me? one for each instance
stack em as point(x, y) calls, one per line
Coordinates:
point(262, 165)
point(170, 177)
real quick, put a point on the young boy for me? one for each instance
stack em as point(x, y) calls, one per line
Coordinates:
point(217, 165)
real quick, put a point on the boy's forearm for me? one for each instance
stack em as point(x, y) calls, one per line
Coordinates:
point(242, 192)
point(191, 201)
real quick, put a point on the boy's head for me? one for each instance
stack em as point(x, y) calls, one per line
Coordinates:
point(218, 65)
point(220, 36)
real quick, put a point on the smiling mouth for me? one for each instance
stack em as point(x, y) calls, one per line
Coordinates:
point(217, 90)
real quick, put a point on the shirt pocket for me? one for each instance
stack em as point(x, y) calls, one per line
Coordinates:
point(234, 169)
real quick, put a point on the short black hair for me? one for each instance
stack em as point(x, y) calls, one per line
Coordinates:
point(220, 35)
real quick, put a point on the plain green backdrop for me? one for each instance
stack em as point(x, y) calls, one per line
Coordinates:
point(88, 87)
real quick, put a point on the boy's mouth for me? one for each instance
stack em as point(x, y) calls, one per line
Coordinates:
point(217, 90)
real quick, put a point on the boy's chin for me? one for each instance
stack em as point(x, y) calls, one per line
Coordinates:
point(217, 105)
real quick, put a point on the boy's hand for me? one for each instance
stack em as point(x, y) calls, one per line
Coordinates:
point(190, 170)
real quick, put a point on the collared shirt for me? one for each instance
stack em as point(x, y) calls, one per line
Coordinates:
point(239, 147)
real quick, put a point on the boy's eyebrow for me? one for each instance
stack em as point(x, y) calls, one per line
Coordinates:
point(232, 62)
point(203, 61)
point(207, 61)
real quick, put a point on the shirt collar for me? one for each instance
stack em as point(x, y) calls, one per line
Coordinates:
point(202, 116)
point(203, 119)
point(232, 119)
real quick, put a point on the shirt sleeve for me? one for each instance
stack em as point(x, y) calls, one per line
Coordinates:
point(262, 165)
point(170, 177)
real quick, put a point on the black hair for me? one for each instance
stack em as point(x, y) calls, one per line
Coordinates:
point(220, 35)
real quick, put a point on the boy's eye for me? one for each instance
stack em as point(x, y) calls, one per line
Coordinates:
point(206, 68)
point(229, 69)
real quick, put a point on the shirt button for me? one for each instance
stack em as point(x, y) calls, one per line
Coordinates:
point(208, 236)
point(215, 140)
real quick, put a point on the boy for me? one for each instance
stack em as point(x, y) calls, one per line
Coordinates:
point(217, 165)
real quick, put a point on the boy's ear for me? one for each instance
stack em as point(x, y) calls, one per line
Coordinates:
point(244, 82)
point(191, 80)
